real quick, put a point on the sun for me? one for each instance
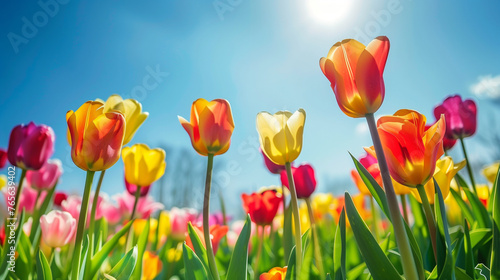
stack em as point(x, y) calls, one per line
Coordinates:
point(328, 11)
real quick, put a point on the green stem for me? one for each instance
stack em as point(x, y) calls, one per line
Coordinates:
point(206, 214)
point(19, 190)
point(81, 226)
point(317, 249)
point(403, 204)
point(260, 239)
point(409, 267)
point(137, 196)
point(374, 218)
point(469, 168)
point(431, 223)
point(92, 221)
point(51, 257)
point(296, 219)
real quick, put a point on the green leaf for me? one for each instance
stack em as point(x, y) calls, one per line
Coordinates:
point(42, 267)
point(377, 262)
point(482, 216)
point(288, 239)
point(101, 255)
point(124, 268)
point(305, 240)
point(141, 247)
point(193, 268)
point(469, 215)
point(495, 250)
point(199, 249)
point(239, 260)
point(469, 255)
point(339, 249)
point(483, 272)
point(291, 273)
point(491, 199)
point(461, 275)
point(479, 237)
point(377, 192)
point(307, 261)
point(445, 262)
point(25, 259)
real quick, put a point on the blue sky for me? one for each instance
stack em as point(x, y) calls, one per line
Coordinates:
point(259, 55)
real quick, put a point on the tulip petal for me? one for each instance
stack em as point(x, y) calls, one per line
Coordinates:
point(379, 49)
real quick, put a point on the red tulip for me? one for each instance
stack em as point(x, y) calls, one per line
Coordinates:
point(131, 189)
point(460, 116)
point(371, 165)
point(59, 197)
point(271, 166)
point(305, 181)
point(262, 207)
point(30, 146)
point(3, 158)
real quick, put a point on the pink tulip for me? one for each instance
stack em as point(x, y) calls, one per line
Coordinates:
point(304, 179)
point(179, 218)
point(145, 206)
point(131, 189)
point(460, 116)
point(58, 228)
point(271, 166)
point(109, 211)
point(105, 208)
point(30, 146)
point(46, 177)
point(28, 199)
point(72, 205)
point(3, 158)
point(213, 219)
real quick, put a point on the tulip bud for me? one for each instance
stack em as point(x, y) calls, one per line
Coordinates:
point(58, 228)
point(30, 146)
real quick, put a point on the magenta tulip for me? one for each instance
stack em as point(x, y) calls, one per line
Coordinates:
point(46, 177)
point(305, 181)
point(460, 116)
point(30, 146)
point(271, 166)
point(131, 189)
point(3, 158)
point(58, 228)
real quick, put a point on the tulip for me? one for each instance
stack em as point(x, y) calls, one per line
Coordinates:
point(370, 163)
point(276, 273)
point(262, 207)
point(411, 151)
point(46, 177)
point(145, 205)
point(491, 171)
point(59, 197)
point(95, 137)
point(461, 116)
point(29, 199)
point(151, 266)
point(210, 127)
point(30, 146)
point(131, 109)
point(179, 219)
point(58, 228)
point(356, 75)
point(3, 158)
point(304, 179)
point(217, 232)
point(444, 173)
point(132, 189)
point(271, 166)
point(143, 165)
point(3, 181)
point(448, 143)
point(281, 135)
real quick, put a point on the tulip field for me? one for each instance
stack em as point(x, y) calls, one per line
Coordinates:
point(413, 217)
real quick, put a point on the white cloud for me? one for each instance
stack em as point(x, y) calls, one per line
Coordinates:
point(487, 87)
point(362, 128)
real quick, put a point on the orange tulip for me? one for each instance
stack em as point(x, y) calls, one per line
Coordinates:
point(410, 150)
point(95, 137)
point(216, 234)
point(355, 73)
point(151, 266)
point(276, 273)
point(210, 127)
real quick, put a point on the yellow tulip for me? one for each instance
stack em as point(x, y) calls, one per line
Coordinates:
point(131, 110)
point(453, 211)
point(174, 254)
point(444, 173)
point(143, 165)
point(139, 225)
point(164, 226)
point(3, 181)
point(281, 135)
point(151, 266)
point(490, 172)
